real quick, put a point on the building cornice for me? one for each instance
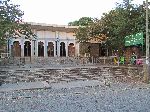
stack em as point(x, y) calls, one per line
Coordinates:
point(52, 27)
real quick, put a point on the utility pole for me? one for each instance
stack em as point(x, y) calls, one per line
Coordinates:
point(146, 65)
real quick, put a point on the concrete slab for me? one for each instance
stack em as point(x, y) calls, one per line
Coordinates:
point(24, 85)
point(44, 84)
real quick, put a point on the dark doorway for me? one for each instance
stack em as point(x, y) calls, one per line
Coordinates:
point(27, 48)
point(71, 50)
point(103, 52)
point(16, 49)
point(62, 49)
point(40, 49)
point(50, 49)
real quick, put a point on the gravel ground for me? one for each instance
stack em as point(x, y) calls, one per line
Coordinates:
point(117, 97)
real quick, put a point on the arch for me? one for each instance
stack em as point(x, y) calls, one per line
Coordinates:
point(71, 50)
point(62, 49)
point(41, 49)
point(27, 48)
point(50, 49)
point(16, 49)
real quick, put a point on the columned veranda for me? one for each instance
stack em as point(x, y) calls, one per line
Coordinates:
point(42, 48)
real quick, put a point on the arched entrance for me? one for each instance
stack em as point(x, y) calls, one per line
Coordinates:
point(40, 49)
point(27, 48)
point(50, 49)
point(62, 49)
point(16, 49)
point(71, 50)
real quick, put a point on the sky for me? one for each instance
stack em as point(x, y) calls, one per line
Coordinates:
point(62, 12)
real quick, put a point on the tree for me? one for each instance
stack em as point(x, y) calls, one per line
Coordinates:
point(124, 20)
point(11, 24)
point(84, 21)
point(89, 29)
point(83, 32)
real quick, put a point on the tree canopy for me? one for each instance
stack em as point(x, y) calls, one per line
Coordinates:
point(84, 21)
point(125, 19)
point(11, 24)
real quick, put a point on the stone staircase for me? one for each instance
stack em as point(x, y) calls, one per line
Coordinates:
point(105, 74)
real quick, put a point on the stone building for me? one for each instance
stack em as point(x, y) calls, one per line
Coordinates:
point(51, 41)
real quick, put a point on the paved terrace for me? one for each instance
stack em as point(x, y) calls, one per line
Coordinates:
point(74, 88)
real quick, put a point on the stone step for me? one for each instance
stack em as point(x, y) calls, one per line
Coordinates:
point(73, 76)
point(65, 79)
point(84, 74)
point(118, 72)
point(67, 74)
point(105, 70)
point(81, 78)
point(39, 79)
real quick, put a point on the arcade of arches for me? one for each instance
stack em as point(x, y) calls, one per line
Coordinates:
point(40, 49)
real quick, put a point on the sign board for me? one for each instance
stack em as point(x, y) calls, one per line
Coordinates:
point(134, 39)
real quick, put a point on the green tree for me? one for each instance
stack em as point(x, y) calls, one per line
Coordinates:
point(11, 24)
point(84, 21)
point(83, 32)
point(124, 20)
point(89, 29)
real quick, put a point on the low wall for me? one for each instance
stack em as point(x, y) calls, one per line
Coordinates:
point(72, 61)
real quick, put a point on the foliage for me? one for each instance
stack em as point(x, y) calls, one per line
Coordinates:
point(125, 19)
point(82, 34)
point(11, 24)
point(87, 30)
point(84, 21)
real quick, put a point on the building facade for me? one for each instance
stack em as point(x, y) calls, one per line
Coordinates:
point(51, 41)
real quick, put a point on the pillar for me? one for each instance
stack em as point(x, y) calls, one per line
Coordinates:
point(10, 44)
point(36, 48)
point(54, 48)
point(32, 48)
point(66, 48)
point(22, 47)
point(77, 52)
point(58, 48)
point(45, 48)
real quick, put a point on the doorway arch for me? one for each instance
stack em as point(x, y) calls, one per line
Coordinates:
point(62, 49)
point(27, 48)
point(50, 49)
point(40, 49)
point(71, 50)
point(16, 49)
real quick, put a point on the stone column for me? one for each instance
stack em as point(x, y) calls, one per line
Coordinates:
point(66, 48)
point(10, 44)
point(54, 48)
point(22, 47)
point(36, 48)
point(45, 48)
point(58, 42)
point(77, 53)
point(32, 48)
point(58, 48)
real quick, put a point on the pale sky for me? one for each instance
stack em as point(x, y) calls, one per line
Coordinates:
point(62, 12)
